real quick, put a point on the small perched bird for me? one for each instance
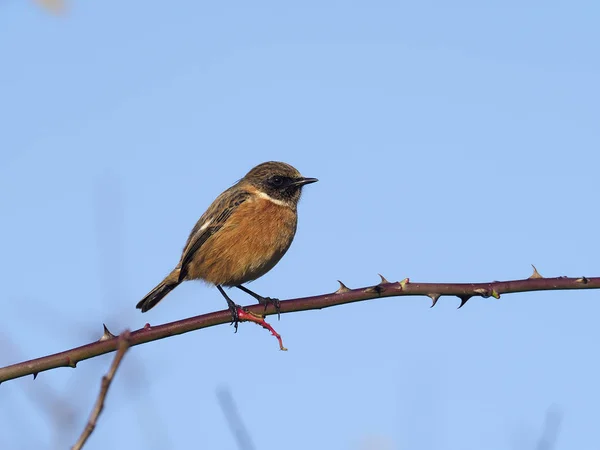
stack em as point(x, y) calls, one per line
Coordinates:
point(241, 236)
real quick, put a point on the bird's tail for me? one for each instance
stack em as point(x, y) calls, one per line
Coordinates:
point(170, 282)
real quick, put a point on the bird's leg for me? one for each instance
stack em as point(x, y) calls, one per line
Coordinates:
point(239, 313)
point(233, 308)
point(266, 301)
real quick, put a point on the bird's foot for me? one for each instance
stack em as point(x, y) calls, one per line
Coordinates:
point(241, 314)
point(266, 301)
point(236, 314)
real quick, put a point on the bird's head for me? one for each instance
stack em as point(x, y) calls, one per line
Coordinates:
point(279, 181)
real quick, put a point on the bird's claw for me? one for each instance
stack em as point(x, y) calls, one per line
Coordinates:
point(235, 315)
point(266, 301)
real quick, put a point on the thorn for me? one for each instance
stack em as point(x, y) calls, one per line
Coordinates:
point(383, 280)
point(343, 288)
point(107, 334)
point(147, 326)
point(535, 273)
point(35, 374)
point(463, 300)
point(583, 280)
point(434, 298)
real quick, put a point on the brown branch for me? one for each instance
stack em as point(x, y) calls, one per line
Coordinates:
point(343, 295)
point(123, 345)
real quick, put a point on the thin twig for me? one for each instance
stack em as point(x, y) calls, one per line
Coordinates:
point(123, 345)
point(464, 291)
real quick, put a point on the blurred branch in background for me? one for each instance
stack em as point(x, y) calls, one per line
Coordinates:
point(59, 406)
point(551, 429)
point(54, 6)
point(244, 441)
point(234, 420)
point(376, 443)
point(109, 226)
point(59, 412)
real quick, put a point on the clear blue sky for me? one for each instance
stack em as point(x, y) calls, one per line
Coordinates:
point(454, 141)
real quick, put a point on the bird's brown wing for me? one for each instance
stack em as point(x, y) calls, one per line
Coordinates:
point(216, 216)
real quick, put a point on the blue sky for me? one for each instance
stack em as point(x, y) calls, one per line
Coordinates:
point(453, 141)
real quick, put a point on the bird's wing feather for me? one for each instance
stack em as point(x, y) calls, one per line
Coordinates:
point(216, 216)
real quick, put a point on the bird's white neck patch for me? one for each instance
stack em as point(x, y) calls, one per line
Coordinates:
point(272, 200)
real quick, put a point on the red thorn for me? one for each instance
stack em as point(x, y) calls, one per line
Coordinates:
point(147, 326)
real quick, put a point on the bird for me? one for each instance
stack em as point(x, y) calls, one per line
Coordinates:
point(242, 235)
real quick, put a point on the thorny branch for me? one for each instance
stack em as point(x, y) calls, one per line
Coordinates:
point(464, 291)
point(122, 346)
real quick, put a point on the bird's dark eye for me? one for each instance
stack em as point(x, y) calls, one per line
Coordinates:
point(277, 181)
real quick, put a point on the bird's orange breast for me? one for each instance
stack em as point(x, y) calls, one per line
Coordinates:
point(250, 243)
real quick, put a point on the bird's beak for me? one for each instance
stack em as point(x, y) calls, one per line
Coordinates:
point(303, 181)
